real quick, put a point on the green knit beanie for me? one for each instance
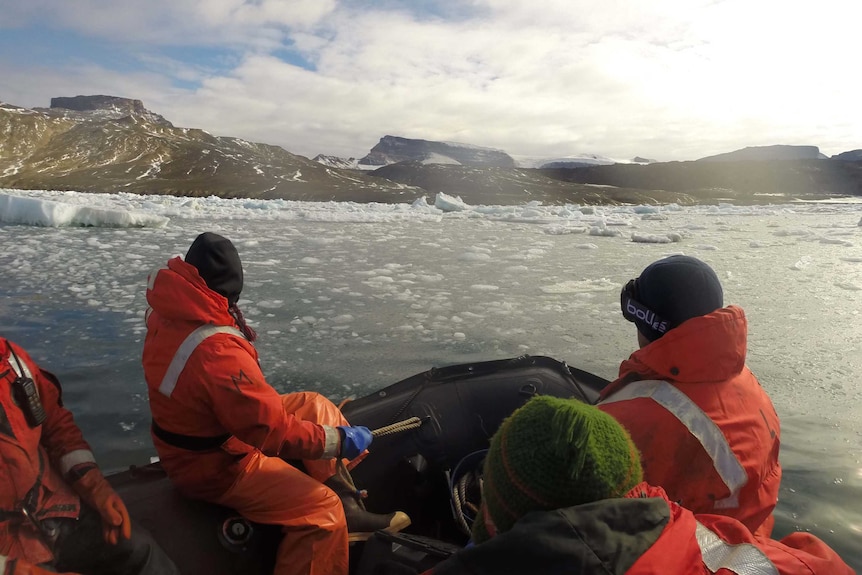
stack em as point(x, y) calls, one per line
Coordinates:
point(553, 453)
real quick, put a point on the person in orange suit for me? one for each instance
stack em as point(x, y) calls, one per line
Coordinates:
point(224, 435)
point(563, 493)
point(707, 431)
point(57, 511)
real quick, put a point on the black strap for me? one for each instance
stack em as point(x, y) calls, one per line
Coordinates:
point(30, 501)
point(189, 442)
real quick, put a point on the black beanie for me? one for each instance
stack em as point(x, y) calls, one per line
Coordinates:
point(676, 289)
point(218, 263)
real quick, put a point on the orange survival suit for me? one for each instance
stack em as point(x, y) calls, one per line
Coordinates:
point(34, 459)
point(57, 510)
point(707, 431)
point(223, 433)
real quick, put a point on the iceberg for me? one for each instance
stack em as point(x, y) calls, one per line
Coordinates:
point(39, 212)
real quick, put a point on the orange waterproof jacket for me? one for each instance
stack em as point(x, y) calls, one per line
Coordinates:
point(707, 431)
point(34, 459)
point(212, 388)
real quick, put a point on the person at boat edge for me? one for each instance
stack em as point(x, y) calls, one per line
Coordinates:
point(706, 429)
point(225, 435)
point(563, 493)
point(57, 510)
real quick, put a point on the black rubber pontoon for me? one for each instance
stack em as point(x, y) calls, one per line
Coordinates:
point(460, 406)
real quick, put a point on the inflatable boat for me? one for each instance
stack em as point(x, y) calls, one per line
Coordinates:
point(424, 470)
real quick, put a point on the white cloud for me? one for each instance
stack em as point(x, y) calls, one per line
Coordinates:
point(670, 79)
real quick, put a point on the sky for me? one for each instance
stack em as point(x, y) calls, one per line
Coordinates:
point(661, 79)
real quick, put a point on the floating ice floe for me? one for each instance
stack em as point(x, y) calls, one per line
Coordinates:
point(448, 203)
point(656, 239)
point(604, 232)
point(37, 212)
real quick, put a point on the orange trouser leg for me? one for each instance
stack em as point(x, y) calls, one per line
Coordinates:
point(315, 532)
point(311, 406)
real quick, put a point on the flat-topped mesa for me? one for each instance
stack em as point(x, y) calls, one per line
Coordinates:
point(125, 106)
point(394, 149)
point(768, 153)
point(102, 107)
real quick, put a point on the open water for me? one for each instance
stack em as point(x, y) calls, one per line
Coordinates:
point(349, 305)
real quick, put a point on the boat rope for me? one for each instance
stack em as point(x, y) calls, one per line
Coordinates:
point(410, 399)
point(465, 489)
point(460, 501)
point(398, 427)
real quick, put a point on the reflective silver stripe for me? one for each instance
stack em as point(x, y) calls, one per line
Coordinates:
point(2, 563)
point(73, 458)
point(742, 558)
point(194, 339)
point(699, 425)
point(14, 364)
point(13, 361)
point(331, 442)
point(151, 279)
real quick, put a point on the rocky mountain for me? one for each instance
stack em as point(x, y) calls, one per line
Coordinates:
point(506, 186)
point(108, 107)
point(336, 162)
point(851, 156)
point(393, 149)
point(110, 144)
point(579, 161)
point(760, 175)
point(768, 153)
point(745, 182)
point(573, 163)
point(107, 144)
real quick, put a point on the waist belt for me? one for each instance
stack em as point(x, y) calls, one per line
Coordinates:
point(28, 505)
point(11, 516)
point(189, 442)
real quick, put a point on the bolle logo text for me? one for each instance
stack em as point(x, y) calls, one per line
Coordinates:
point(646, 316)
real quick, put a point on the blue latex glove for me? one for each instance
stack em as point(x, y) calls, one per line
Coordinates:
point(354, 440)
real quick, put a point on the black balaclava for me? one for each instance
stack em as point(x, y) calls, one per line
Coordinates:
point(218, 263)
